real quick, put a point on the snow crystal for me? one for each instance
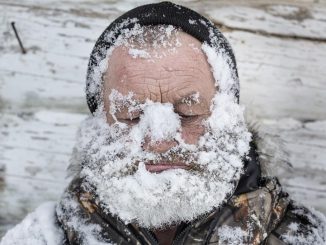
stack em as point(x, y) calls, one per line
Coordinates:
point(192, 22)
point(119, 101)
point(89, 233)
point(315, 235)
point(203, 22)
point(135, 53)
point(192, 99)
point(38, 228)
point(294, 226)
point(159, 121)
point(223, 75)
point(232, 235)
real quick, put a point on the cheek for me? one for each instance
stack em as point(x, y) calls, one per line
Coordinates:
point(109, 119)
point(191, 133)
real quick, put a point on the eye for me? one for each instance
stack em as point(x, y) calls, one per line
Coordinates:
point(188, 118)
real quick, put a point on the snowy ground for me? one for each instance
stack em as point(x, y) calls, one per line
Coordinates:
point(281, 53)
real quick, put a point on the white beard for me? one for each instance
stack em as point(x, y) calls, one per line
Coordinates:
point(153, 200)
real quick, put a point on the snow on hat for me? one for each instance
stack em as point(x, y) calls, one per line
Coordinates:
point(164, 13)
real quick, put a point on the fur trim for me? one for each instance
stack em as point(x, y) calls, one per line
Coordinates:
point(75, 163)
point(273, 157)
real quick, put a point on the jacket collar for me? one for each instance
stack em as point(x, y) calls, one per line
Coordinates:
point(255, 213)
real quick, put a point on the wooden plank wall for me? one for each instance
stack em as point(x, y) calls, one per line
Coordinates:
point(281, 54)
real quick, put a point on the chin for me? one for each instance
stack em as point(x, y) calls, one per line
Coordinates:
point(153, 200)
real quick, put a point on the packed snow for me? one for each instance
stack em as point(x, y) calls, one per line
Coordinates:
point(38, 228)
point(232, 235)
point(317, 233)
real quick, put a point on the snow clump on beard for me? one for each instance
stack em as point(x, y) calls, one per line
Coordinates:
point(114, 164)
point(114, 158)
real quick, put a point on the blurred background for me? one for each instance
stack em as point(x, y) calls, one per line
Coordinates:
point(280, 48)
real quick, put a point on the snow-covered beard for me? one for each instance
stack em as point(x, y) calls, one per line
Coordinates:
point(114, 163)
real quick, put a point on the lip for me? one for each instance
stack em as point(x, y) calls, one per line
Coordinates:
point(160, 167)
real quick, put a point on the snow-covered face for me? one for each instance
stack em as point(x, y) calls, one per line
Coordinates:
point(167, 145)
point(182, 79)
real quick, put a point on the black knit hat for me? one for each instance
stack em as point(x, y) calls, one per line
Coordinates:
point(164, 13)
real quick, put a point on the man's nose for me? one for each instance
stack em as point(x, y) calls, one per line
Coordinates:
point(158, 147)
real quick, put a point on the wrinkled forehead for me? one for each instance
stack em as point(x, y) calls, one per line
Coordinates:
point(158, 49)
point(214, 45)
point(162, 72)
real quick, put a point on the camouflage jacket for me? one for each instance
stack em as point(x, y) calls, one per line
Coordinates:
point(258, 212)
point(263, 216)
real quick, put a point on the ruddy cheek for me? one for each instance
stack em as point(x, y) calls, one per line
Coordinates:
point(191, 134)
point(109, 119)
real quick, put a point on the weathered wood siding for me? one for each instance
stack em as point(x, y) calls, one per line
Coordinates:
point(281, 54)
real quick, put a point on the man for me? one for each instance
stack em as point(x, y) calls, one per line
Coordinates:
point(166, 157)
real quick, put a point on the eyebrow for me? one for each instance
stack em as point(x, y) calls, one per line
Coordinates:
point(123, 114)
point(190, 95)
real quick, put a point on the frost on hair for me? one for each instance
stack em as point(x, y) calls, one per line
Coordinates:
point(223, 67)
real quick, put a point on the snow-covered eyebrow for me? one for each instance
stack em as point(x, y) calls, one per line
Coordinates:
point(127, 111)
point(191, 98)
point(191, 104)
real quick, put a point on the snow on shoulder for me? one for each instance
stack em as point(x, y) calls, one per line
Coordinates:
point(315, 233)
point(38, 228)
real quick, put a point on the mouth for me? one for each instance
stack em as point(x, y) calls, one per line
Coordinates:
point(160, 167)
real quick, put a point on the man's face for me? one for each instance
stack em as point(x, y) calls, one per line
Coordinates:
point(174, 78)
point(166, 146)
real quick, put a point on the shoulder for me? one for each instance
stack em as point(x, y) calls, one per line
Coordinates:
point(38, 228)
point(300, 226)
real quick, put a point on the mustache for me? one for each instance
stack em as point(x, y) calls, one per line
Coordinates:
point(130, 170)
point(175, 156)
